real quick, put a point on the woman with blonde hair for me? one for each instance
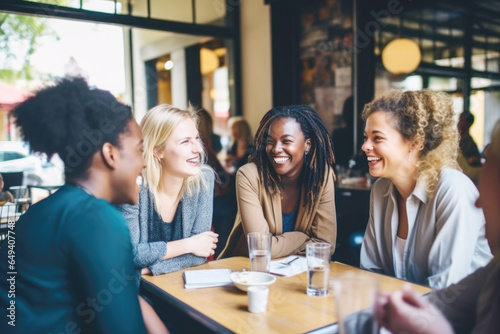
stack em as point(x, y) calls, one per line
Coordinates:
point(423, 226)
point(170, 225)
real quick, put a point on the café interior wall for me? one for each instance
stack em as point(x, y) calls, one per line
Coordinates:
point(151, 44)
point(256, 71)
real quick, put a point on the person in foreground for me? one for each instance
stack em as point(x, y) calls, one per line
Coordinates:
point(473, 304)
point(287, 186)
point(170, 225)
point(72, 267)
point(423, 226)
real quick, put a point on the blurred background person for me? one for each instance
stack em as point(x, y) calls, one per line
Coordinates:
point(5, 194)
point(346, 160)
point(343, 137)
point(211, 140)
point(225, 207)
point(468, 146)
point(241, 144)
point(469, 158)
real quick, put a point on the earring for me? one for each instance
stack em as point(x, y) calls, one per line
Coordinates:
point(306, 153)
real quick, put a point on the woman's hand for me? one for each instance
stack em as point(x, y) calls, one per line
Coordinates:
point(145, 271)
point(406, 311)
point(204, 244)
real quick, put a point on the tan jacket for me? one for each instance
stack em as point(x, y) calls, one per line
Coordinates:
point(260, 212)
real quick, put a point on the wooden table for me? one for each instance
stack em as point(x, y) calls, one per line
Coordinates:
point(224, 309)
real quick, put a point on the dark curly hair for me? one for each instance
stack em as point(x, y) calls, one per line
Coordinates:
point(316, 164)
point(72, 120)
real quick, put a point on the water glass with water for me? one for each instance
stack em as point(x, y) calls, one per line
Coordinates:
point(318, 268)
point(259, 251)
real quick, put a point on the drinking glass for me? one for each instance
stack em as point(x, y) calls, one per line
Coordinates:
point(259, 251)
point(354, 297)
point(318, 268)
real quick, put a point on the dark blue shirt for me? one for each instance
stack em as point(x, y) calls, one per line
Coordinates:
point(289, 220)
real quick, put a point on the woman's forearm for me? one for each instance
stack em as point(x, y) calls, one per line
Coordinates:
point(177, 248)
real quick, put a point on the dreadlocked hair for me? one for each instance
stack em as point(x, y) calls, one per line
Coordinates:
point(316, 164)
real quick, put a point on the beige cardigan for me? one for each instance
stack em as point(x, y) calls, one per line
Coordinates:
point(260, 212)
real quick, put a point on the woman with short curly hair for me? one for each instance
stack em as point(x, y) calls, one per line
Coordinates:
point(423, 225)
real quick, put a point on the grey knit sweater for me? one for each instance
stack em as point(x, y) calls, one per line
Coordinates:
point(148, 248)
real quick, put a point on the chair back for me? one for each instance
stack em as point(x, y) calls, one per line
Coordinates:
point(9, 214)
point(12, 179)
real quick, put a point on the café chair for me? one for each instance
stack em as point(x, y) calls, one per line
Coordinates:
point(11, 211)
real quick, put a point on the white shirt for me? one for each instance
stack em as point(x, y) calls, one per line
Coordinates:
point(398, 256)
point(445, 239)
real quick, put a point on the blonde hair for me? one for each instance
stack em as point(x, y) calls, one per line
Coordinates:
point(427, 118)
point(157, 126)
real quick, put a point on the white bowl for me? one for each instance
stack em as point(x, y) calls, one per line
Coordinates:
point(244, 279)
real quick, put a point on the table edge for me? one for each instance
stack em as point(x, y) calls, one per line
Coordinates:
point(211, 324)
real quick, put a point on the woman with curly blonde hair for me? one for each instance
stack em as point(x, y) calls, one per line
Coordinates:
point(170, 225)
point(423, 225)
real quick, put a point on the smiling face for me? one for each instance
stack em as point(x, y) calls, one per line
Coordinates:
point(489, 197)
point(131, 164)
point(387, 152)
point(286, 146)
point(181, 155)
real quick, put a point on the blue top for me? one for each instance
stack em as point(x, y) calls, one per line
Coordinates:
point(74, 265)
point(289, 220)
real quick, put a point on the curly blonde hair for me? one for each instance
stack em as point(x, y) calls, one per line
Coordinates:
point(157, 126)
point(427, 118)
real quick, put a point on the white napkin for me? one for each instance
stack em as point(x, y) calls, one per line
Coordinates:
point(278, 267)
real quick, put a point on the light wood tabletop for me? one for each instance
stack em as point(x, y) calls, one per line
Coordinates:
point(289, 310)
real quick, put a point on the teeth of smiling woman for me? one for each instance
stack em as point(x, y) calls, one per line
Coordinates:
point(280, 160)
point(373, 159)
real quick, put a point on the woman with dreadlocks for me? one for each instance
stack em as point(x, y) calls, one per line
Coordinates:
point(287, 186)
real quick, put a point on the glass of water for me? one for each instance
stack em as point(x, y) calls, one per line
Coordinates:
point(318, 268)
point(259, 251)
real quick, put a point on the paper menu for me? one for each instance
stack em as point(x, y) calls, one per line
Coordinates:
point(278, 267)
point(205, 278)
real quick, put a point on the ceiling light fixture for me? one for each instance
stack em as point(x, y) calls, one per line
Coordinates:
point(401, 56)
